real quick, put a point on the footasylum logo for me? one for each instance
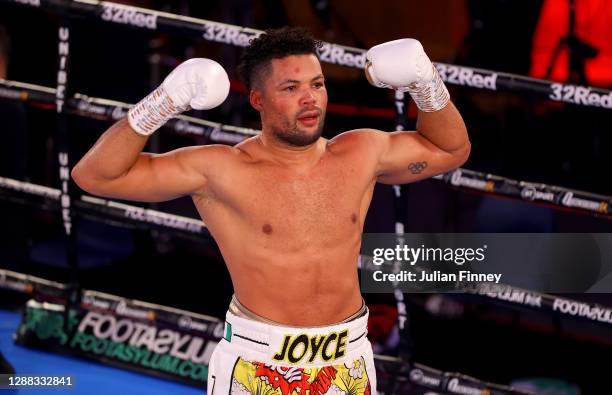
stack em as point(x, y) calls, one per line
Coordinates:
point(455, 387)
point(457, 179)
point(570, 200)
point(144, 345)
point(186, 322)
point(182, 126)
point(123, 309)
point(127, 341)
point(581, 309)
point(218, 134)
point(419, 377)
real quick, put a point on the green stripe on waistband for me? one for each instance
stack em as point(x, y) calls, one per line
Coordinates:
point(228, 332)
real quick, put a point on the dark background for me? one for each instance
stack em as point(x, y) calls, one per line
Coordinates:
point(512, 135)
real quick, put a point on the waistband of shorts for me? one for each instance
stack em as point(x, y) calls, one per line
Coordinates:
point(296, 346)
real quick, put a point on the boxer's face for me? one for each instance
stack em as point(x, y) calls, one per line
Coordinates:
point(292, 100)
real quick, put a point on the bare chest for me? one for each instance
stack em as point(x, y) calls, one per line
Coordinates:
point(325, 203)
point(315, 200)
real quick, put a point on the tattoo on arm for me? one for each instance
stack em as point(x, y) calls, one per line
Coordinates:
point(417, 167)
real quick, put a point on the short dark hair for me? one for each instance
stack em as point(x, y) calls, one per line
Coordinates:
point(274, 44)
point(5, 43)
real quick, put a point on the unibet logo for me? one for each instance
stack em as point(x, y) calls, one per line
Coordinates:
point(295, 349)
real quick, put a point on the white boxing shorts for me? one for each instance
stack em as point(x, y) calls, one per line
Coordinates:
point(268, 359)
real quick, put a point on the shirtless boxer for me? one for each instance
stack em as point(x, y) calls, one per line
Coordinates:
point(286, 207)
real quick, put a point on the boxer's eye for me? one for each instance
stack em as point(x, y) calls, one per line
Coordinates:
point(290, 88)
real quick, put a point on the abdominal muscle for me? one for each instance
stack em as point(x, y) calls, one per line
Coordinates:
point(303, 289)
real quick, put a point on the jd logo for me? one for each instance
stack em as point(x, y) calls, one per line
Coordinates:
point(296, 348)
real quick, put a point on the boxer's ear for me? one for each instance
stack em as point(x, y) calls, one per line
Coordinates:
point(255, 99)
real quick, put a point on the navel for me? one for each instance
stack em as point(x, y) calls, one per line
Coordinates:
point(354, 218)
point(267, 229)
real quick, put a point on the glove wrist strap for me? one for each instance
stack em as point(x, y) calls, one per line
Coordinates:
point(152, 112)
point(429, 96)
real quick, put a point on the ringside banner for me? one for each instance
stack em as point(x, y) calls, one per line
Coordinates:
point(451, 262)
point(158, 340)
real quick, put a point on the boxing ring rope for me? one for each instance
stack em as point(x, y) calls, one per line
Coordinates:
point(103, 109)
point(330, 53)
point(122, 214)
point(110, 210)
point(111, 110)
point(223, 33)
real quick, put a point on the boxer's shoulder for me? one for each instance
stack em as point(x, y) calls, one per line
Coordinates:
point(366, 140)
point(208, 158)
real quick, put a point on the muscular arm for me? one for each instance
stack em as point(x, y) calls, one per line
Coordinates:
point(440, 144)
point(115, 167)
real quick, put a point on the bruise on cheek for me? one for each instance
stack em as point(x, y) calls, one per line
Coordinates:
point(267, 229)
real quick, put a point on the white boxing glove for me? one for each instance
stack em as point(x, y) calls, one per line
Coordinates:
point(404, 65)
point(197, 83)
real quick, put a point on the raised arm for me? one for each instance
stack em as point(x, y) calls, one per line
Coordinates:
point(439, 145)
point(116, 166)
point(440, 142)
